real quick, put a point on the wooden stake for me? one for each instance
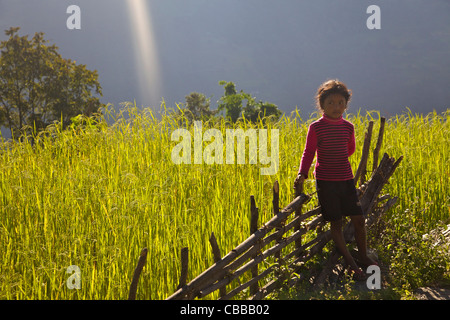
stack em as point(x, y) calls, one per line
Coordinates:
point(253, 228)
point(298, 212)
point(137, 273)
point(276, 198)
point(376, 151)
point(217, 257)
point(253, 216)
point(361, 171)
point(184, 267)
point(276, 209)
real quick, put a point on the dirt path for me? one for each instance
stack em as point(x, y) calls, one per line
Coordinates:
point(432, 293)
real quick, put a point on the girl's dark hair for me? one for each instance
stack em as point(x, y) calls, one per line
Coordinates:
point(330, 87)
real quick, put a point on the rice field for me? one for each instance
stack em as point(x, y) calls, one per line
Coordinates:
point(95, 194)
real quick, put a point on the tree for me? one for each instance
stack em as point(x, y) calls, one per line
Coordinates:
point(232, 101)
point(252, 111)
point(197, 107)
point(38, 86)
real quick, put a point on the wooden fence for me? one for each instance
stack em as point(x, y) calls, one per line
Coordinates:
point(288, 226)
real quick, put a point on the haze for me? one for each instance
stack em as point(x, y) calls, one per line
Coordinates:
point(280, 51)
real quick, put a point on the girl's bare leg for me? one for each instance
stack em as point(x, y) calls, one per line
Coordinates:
point(338, 238)
point(360, 237)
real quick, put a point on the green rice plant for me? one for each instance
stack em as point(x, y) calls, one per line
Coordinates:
point(93, 195)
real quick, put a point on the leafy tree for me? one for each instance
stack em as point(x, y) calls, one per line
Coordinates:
point(232, 103)
point(38, 86)
point(197, 107)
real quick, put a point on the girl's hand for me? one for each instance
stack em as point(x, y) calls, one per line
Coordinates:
point(298, 182)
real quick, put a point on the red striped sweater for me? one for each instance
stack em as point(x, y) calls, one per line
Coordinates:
point(334, 141)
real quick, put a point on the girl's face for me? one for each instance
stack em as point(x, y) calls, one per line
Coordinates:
point(334, 105)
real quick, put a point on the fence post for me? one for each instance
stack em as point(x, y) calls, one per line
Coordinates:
point(298, 212)
point(137, 273)
point(184, 267)
point(217, 257)
point(376, 151)
point(276, 209)
point(276, 197)
point(253, 228)
point(361, 171)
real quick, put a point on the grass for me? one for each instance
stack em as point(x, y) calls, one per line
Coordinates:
point(95, 194)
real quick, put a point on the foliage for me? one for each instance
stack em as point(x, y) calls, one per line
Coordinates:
point(232, 101)
point(38, 86)
point(260, 110)
point(197, 107)
point(415, 259)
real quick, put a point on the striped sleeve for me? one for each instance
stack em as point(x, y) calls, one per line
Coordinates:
point(309, 152)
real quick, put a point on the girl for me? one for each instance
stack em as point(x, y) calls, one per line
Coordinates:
point(333, 138)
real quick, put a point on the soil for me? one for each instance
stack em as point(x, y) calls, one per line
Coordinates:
point(432, 293)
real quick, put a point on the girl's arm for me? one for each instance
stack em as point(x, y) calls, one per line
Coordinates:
point(351, 143)
point(309, 152)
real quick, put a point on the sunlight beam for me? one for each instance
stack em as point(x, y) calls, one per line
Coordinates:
point(145, 53)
